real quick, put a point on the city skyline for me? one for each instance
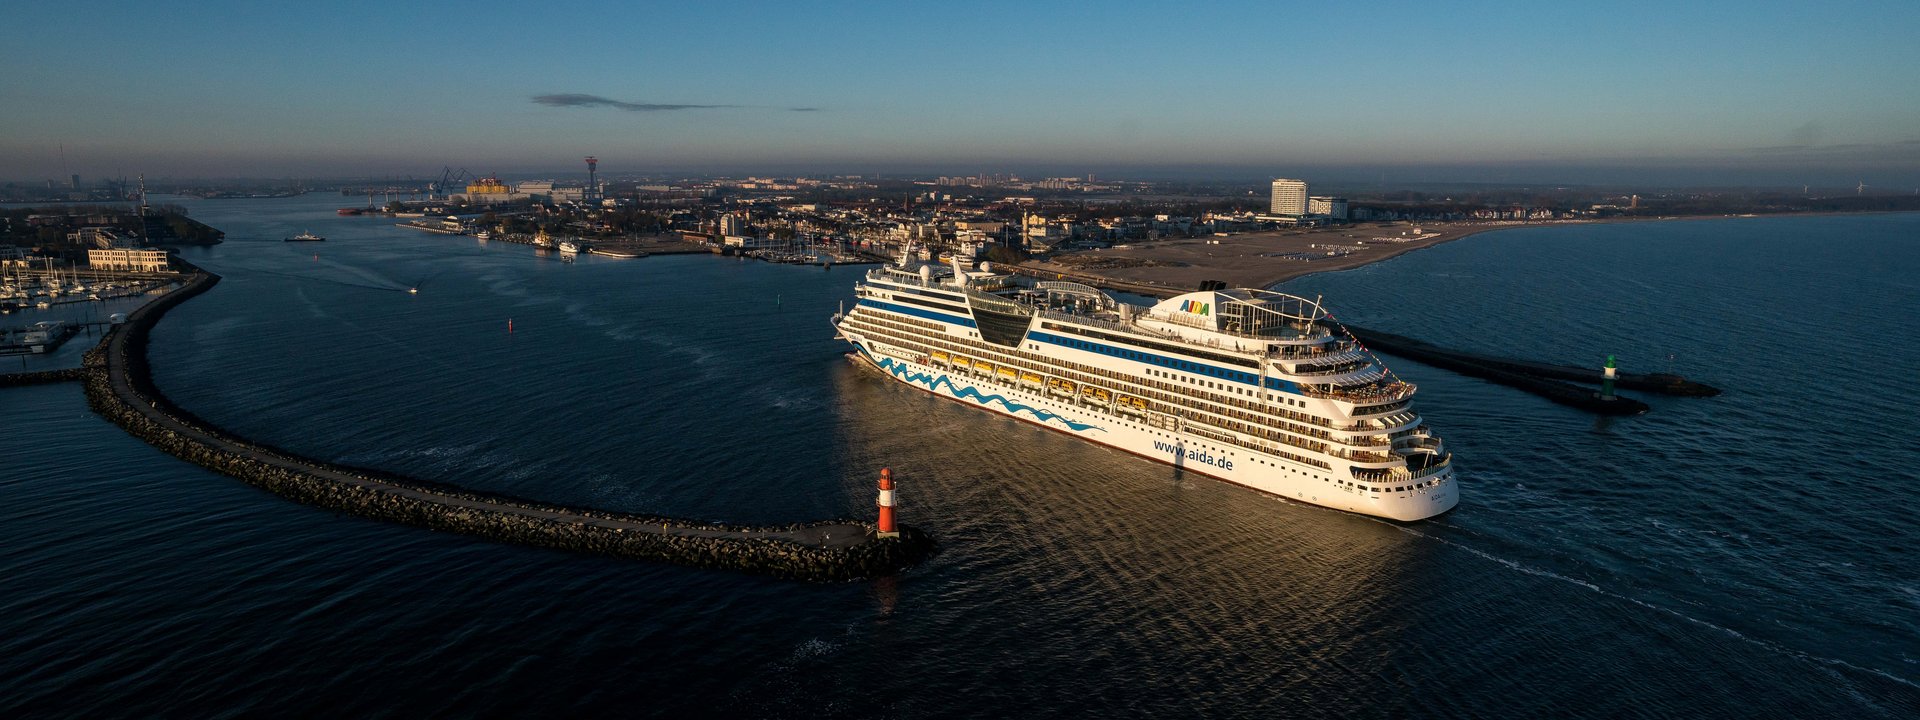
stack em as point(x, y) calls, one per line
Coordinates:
point(1723, 94)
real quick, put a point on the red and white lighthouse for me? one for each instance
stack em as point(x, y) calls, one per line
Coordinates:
point(885, 526)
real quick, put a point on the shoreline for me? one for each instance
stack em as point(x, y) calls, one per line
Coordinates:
point(1171, 273)
point(1608, 221)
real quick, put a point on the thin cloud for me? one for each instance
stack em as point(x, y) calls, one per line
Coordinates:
point(1844, 149)
point(583, 100)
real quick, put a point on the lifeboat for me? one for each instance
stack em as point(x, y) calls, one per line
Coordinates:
point(1096, 394)
point(1060, 387)
point(983, 366)
point(1009, 373)
point(1030, 379)
point(1131, 405)
point(940, 356)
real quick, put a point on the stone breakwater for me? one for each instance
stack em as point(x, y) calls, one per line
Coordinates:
point(119, 387)
point(42, 377)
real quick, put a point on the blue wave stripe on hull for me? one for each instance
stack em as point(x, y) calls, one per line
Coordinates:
point(933, 382)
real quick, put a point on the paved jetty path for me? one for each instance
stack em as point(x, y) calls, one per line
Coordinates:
point(120, 387)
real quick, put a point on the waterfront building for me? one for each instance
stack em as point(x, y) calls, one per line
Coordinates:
point(489, 189)
point(1334, 208)
point(100, 237)
point(541, 190)
point(128, 259)
point(1289, 197)
point(749, 242)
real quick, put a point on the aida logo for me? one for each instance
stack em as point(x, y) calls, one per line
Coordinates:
point(1195, 307)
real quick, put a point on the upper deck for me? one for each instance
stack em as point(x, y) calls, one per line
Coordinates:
point(1259, 323)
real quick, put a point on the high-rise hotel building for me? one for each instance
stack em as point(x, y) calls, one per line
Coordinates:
point(1289, 197)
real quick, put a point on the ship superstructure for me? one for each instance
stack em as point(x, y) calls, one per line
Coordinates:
point(1254, 387)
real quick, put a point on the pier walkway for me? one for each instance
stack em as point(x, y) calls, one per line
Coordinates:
point(119, 387)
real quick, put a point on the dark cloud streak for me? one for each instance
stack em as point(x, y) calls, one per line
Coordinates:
point(583, 100)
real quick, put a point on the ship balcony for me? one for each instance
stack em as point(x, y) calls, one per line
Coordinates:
point(1316, 369)
point(1395, 423)
point(1428, 464)
point(1320, 358)
point(1367, 441)
point(1420, 429)
point(1419, 444)
point(1370, 460)
point(1418, 467)
point(1334, 351)
point(1374, 394)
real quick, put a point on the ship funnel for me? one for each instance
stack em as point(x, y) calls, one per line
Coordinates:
point(959, 274)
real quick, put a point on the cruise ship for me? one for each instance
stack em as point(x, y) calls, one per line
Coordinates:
point(1253, 387)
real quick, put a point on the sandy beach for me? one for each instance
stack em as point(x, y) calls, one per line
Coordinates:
point(1259, 260)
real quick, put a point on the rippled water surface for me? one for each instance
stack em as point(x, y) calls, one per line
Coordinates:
point(1749, 554)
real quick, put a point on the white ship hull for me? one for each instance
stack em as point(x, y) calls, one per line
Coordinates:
point(1246, 386)
point(1266, 473)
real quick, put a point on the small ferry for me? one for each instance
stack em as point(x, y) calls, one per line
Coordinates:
point(307, 236)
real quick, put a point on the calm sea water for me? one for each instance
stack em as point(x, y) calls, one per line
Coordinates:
point(1750, 554)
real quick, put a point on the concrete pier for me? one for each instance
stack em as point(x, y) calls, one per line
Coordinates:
point(120, 388)
point(1474, 366)
point(1427, 352)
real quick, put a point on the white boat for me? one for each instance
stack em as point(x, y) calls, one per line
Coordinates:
point(306, 237)
point(569, 246)
point(483, 236)
point(1257, 388)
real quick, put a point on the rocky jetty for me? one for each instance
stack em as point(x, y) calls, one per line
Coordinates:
point(119, 387)
point(41, 377)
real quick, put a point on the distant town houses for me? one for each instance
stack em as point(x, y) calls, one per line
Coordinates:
point(998, 214)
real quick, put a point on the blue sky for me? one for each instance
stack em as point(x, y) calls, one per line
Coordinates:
point(1706, 92)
